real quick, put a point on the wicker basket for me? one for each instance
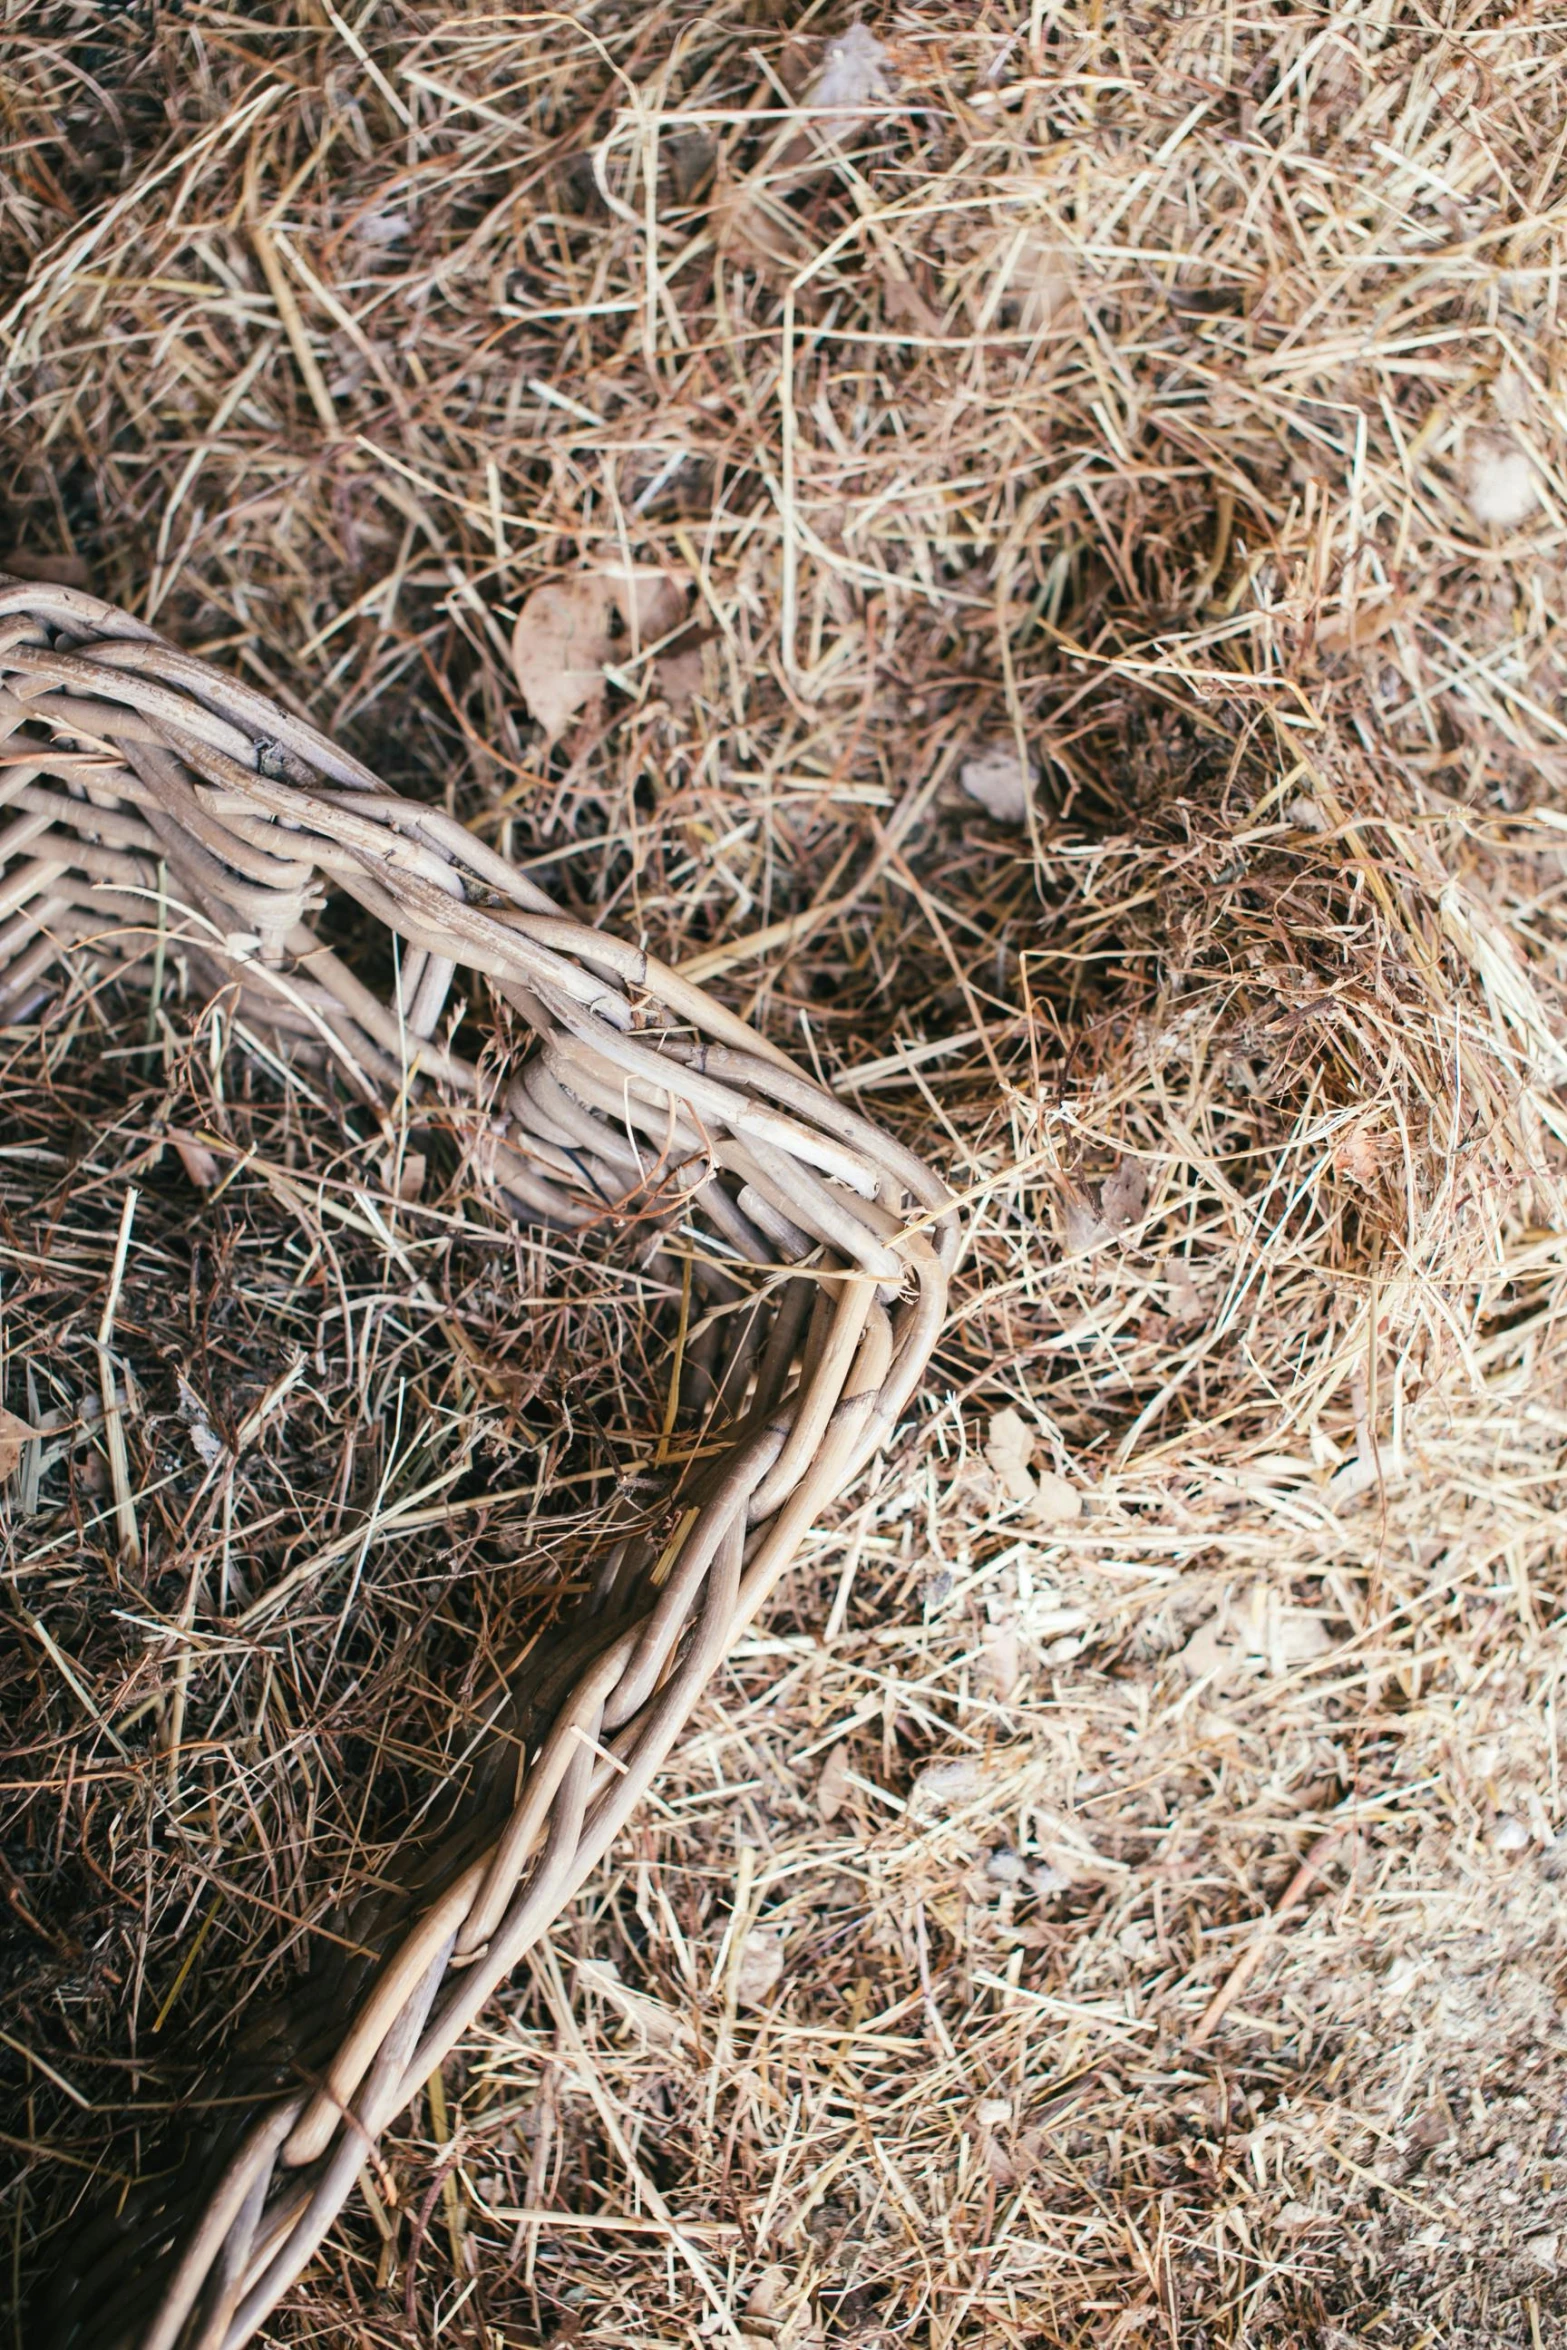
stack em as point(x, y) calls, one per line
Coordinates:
point(153, 805)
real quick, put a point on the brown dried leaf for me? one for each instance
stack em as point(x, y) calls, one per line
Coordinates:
point(679, 676)
point(747, 229)
point(1056, 1503)
point(1350, 633)
point(1296, 1637)
point(1123, 1195)
point(1085, 1228)
point(1185, 1297)
point(688, 157)
point(760, 1968)
point(1001, 1656)
point(832, 1788)
point(559, 648)
point(1009, 1448)
point(767, 2294)
point(569, 631)
point(200, 1164)
point(14, 1433)
point(405, 1182)
point(1210, 1649)
point(905, 305)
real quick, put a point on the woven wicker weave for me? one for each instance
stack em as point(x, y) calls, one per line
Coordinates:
point(154, 805)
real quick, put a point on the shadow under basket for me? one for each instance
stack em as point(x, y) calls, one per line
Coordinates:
point(151, 805)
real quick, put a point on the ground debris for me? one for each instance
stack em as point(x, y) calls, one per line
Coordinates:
point(1172, 407)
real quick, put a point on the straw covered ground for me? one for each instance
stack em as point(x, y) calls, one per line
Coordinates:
point(1035, 537)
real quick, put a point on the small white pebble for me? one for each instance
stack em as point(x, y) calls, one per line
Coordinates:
point(1501, 485)
point(1510, 1835)
point(991, 2112)
point(998, 780)
point(1542, 2251)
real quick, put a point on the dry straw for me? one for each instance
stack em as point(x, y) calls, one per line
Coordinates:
point(1110, 474)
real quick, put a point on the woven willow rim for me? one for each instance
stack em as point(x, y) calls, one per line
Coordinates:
point(155, 804)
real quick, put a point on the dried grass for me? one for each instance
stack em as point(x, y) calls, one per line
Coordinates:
point(1173, 401)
